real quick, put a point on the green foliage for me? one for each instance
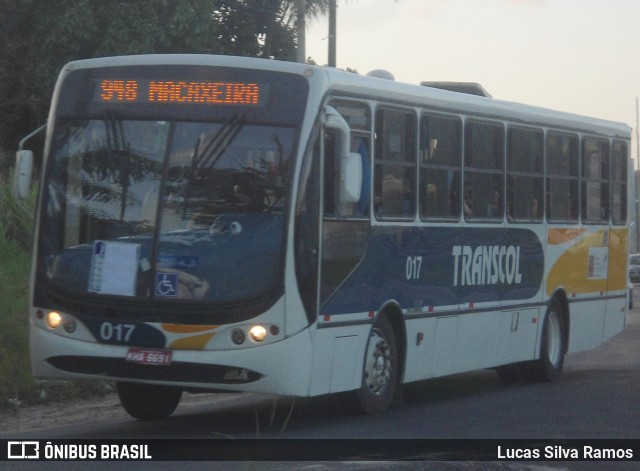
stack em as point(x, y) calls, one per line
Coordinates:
point(88, 28)
point(17, 386)
point(14, 367)
point(16, 218)
point(15, 377)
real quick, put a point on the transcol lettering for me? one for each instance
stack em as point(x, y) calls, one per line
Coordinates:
point(486, 265)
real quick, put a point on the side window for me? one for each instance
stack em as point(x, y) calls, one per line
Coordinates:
point(619, 165)
point(440, 167)
point(562, 177)
point(524, 175)
point(483, 177)
point(358, 116)
point(395, 164)
point(595, 180)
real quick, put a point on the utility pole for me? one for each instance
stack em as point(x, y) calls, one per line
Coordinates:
point(636, 174)
point(637, 138)
point(332, 33)
point(301, 26)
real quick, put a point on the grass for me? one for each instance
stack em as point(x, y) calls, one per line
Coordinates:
point(16, 381)
point(17, 385)
point(15, 378)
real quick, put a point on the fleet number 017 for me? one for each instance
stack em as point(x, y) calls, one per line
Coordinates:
point(116, 332)
point(413, 267)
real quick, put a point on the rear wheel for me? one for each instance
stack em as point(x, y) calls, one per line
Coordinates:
point(148, 401)
point(510, 373)
point(552, 351)
point(380, 373)
point(552, 346)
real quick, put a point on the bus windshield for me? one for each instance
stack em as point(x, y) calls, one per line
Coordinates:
point(166, 209)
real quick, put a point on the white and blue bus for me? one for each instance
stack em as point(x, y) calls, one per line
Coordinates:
point(236, 224)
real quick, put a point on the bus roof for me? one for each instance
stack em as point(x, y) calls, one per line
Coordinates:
point(345, 83)
point(475, 105)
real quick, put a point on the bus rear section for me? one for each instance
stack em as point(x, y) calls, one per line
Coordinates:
point(492, 236)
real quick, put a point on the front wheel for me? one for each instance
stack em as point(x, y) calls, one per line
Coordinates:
point(148, 401)
point(380, 374)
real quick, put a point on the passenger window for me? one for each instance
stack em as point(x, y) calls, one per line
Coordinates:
point(525, 175)
point(440, 160)
point(595, 183)
point(395, 164)
point(562, 177)
point(484, 177)
point(619, 165)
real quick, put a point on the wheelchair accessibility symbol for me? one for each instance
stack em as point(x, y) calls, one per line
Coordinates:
point(167, 284)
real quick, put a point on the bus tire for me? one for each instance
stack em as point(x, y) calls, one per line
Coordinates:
point(512, 373)
point(552, 345)
point(148, 401)
point(380, 373)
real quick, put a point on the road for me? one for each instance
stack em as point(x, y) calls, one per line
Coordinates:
point(596, 398)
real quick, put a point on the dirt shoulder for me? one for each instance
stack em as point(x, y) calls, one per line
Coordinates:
point(77, 411)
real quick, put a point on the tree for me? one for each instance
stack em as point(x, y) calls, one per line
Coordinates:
point(254, 29)
point(264, 28)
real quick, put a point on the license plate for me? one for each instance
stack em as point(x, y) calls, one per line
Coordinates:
point(147, 356)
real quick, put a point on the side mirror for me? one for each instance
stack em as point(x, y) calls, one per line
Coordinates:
point(350, 163)
point(23, 174)
point(350, 178)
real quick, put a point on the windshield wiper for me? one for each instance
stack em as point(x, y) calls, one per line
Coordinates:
point(218, 145)
point(116, 148)
point(212, 152)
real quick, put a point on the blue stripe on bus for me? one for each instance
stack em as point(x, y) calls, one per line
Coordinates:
point(422, 267)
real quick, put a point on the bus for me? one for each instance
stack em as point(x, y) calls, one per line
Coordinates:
point(212, 223)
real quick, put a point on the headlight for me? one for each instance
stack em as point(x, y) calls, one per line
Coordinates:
point(258, 333)
point(54, 319)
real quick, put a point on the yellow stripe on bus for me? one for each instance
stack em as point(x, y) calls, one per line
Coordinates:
point(561, 236)
point(195, 342)
point(187, 329)
point(574, 271)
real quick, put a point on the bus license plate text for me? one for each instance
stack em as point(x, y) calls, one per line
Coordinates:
point(149, 357)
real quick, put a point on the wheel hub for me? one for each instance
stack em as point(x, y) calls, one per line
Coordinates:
point(378, 368)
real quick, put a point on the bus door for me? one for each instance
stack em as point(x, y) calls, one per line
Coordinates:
point(618, 240)
point(345, 221)
point(345, 230)
point(343, 281)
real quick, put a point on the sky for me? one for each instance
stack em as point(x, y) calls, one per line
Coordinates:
point(579, 56)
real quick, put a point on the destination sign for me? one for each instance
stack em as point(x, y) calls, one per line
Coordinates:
point(179, 92)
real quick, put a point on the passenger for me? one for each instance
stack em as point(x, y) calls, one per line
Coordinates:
point(496, 210)
point(431, 204)
point(468, 199)
point(535, 209)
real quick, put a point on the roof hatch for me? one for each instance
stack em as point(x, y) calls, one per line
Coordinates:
point(470, 88)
